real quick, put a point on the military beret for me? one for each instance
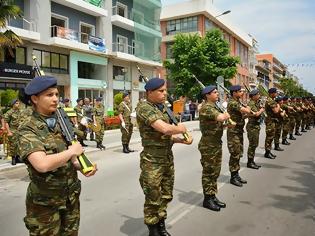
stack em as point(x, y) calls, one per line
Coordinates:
point(253, 92)
point(278, 98)
point(14, 101)
point(208, 89)
point(40, 84)
point(79, 99)
point(235, 88)
point(272, 90)
point(66, 100)
point(125, 94)
point(154, 84)
point(285, 98)
point(98, 99)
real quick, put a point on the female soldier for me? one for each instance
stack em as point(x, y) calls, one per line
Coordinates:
point(52, 199)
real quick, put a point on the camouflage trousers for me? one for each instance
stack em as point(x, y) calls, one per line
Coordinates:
point(100, 134)
point(298, 120)
point(286, 128)
point(270, 133)
point(304, 121)
point(51, 221)
point(211, 159)
point(81, 132)
point(126, 133)
point(12, 144)
point(291, 124)
point(235, 146)
point(278, 128)
point(157, 182)
point(253, 140)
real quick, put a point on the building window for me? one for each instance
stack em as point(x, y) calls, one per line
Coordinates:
point(183, 25)
point(209, 24)
point(18, 56)
point(52, 62)
point(85, 31)
point(169, 50)
point(122, 9)
point(122, 44)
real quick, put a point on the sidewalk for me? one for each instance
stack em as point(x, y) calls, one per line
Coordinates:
point(111, 140)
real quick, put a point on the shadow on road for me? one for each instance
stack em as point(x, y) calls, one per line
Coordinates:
point(190, 198)
point(133, 226)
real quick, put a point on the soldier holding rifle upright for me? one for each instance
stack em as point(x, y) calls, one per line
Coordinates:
point(52, 199)
point(156, 159)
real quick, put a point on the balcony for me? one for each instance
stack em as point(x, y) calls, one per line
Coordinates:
point(263, 66)
point(24, 28)
point(128, 20)
point(91, 7)
point(64, 37)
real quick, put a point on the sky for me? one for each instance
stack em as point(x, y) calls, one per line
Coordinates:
point(285, 28)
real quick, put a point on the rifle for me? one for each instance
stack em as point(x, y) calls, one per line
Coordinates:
point(217, 105)
point(67, 129)
point(168, 110)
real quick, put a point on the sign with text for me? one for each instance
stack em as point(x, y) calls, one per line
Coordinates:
point(16, 70)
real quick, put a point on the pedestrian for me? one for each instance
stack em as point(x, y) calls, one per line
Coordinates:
point(98, 117)
point(156, 159)
point(272, 109)
point(235, 134)
point(52, 198)
point(126, 127)
point(253, 127)
point(210, 146)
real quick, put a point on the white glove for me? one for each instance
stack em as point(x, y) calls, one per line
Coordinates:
point(76, 125)
point(123, 124)
point(95, 124)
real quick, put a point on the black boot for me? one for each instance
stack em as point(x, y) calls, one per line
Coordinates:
point(285, 142)
point(129, 150)
point(13, 160)
point(154, 230)
point(83, 144)
point(125, 150)
point(273, 155)
point(292, 137)
point(100, 146)
point(209, 203)
point(297, 133)
point(268, 155)
point(243, 181)
point(278, 148)
point(234, 180)
point(162, 228)
point(218, 202)
point(251, 164)
point(303, 130)
point(256, 164)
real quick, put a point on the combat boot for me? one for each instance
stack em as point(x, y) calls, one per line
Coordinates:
point(251, 164)
point(234, 180)
point(292, 137)
point(218, 202)
point(303, 130)
point(13, 160)
point(83, 144)
point(285, 142)
point(268, 155)
point(278, 148)
point(129, 150)
point(125, 150)
point(209, 203)
point(162, 229)
point(297, 133)
point(243, 181)
point(100, 146)
point(154, 230)
point(256, 164)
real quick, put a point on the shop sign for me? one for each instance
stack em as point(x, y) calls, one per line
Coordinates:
point(16, 70)
point(97, 44)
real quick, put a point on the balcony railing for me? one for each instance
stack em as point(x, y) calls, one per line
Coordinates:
point(138, 18)
point(27, 24)
point(122, 47)
point(264, 65)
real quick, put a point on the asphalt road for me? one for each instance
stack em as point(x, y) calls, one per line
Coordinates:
point(278, 199)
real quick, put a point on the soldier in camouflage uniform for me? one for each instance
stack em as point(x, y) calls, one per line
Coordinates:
point(210, 147)
point(52, 198)
point(156, 159)
point(278, 125)
point(126, 127)
point(272, 109)
point(298, 117)
point(235, 134)
point(286, 106)
point(253, 127)
point(291, 114)
point(12, 119)
point(79, 110)
point(98, 116)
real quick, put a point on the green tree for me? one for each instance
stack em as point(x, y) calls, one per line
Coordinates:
point(206, 57)
point(291, 88)
point(7, 96)
point(118, 98)
point(8, 11)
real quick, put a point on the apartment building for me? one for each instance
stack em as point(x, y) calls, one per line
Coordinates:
point(91, 46)
point(199, 16)
point(270, 70)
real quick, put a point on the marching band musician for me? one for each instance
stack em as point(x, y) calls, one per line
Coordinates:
point(79, 110)
point(98, 118)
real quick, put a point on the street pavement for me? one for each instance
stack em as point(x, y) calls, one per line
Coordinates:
point(278, 199)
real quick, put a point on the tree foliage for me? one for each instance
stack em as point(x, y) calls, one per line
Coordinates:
point(291, 88)
point(205, 57)
point(7, 96)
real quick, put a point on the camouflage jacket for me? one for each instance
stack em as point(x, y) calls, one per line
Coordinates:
point(254, 120)
point(12, 117)
point(79, 110)
point(270, 104)
point(234, 109)
point(156, 144)
point(211, 129)
point(53, 188)
point(125, 110)
point(98, 112)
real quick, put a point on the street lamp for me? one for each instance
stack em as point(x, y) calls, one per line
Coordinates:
point(224, 13)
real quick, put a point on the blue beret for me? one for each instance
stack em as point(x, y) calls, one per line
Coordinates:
point(208, 89)
point(235, 88)
point(14, 101)
point(66, 100)
point(40, 84)
point(98, 99)
point(125, 94)
point(154, 84)
point(79, 99)
point(272, 90)
point(285, 98)
point(253, 92)
point(278, 98)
